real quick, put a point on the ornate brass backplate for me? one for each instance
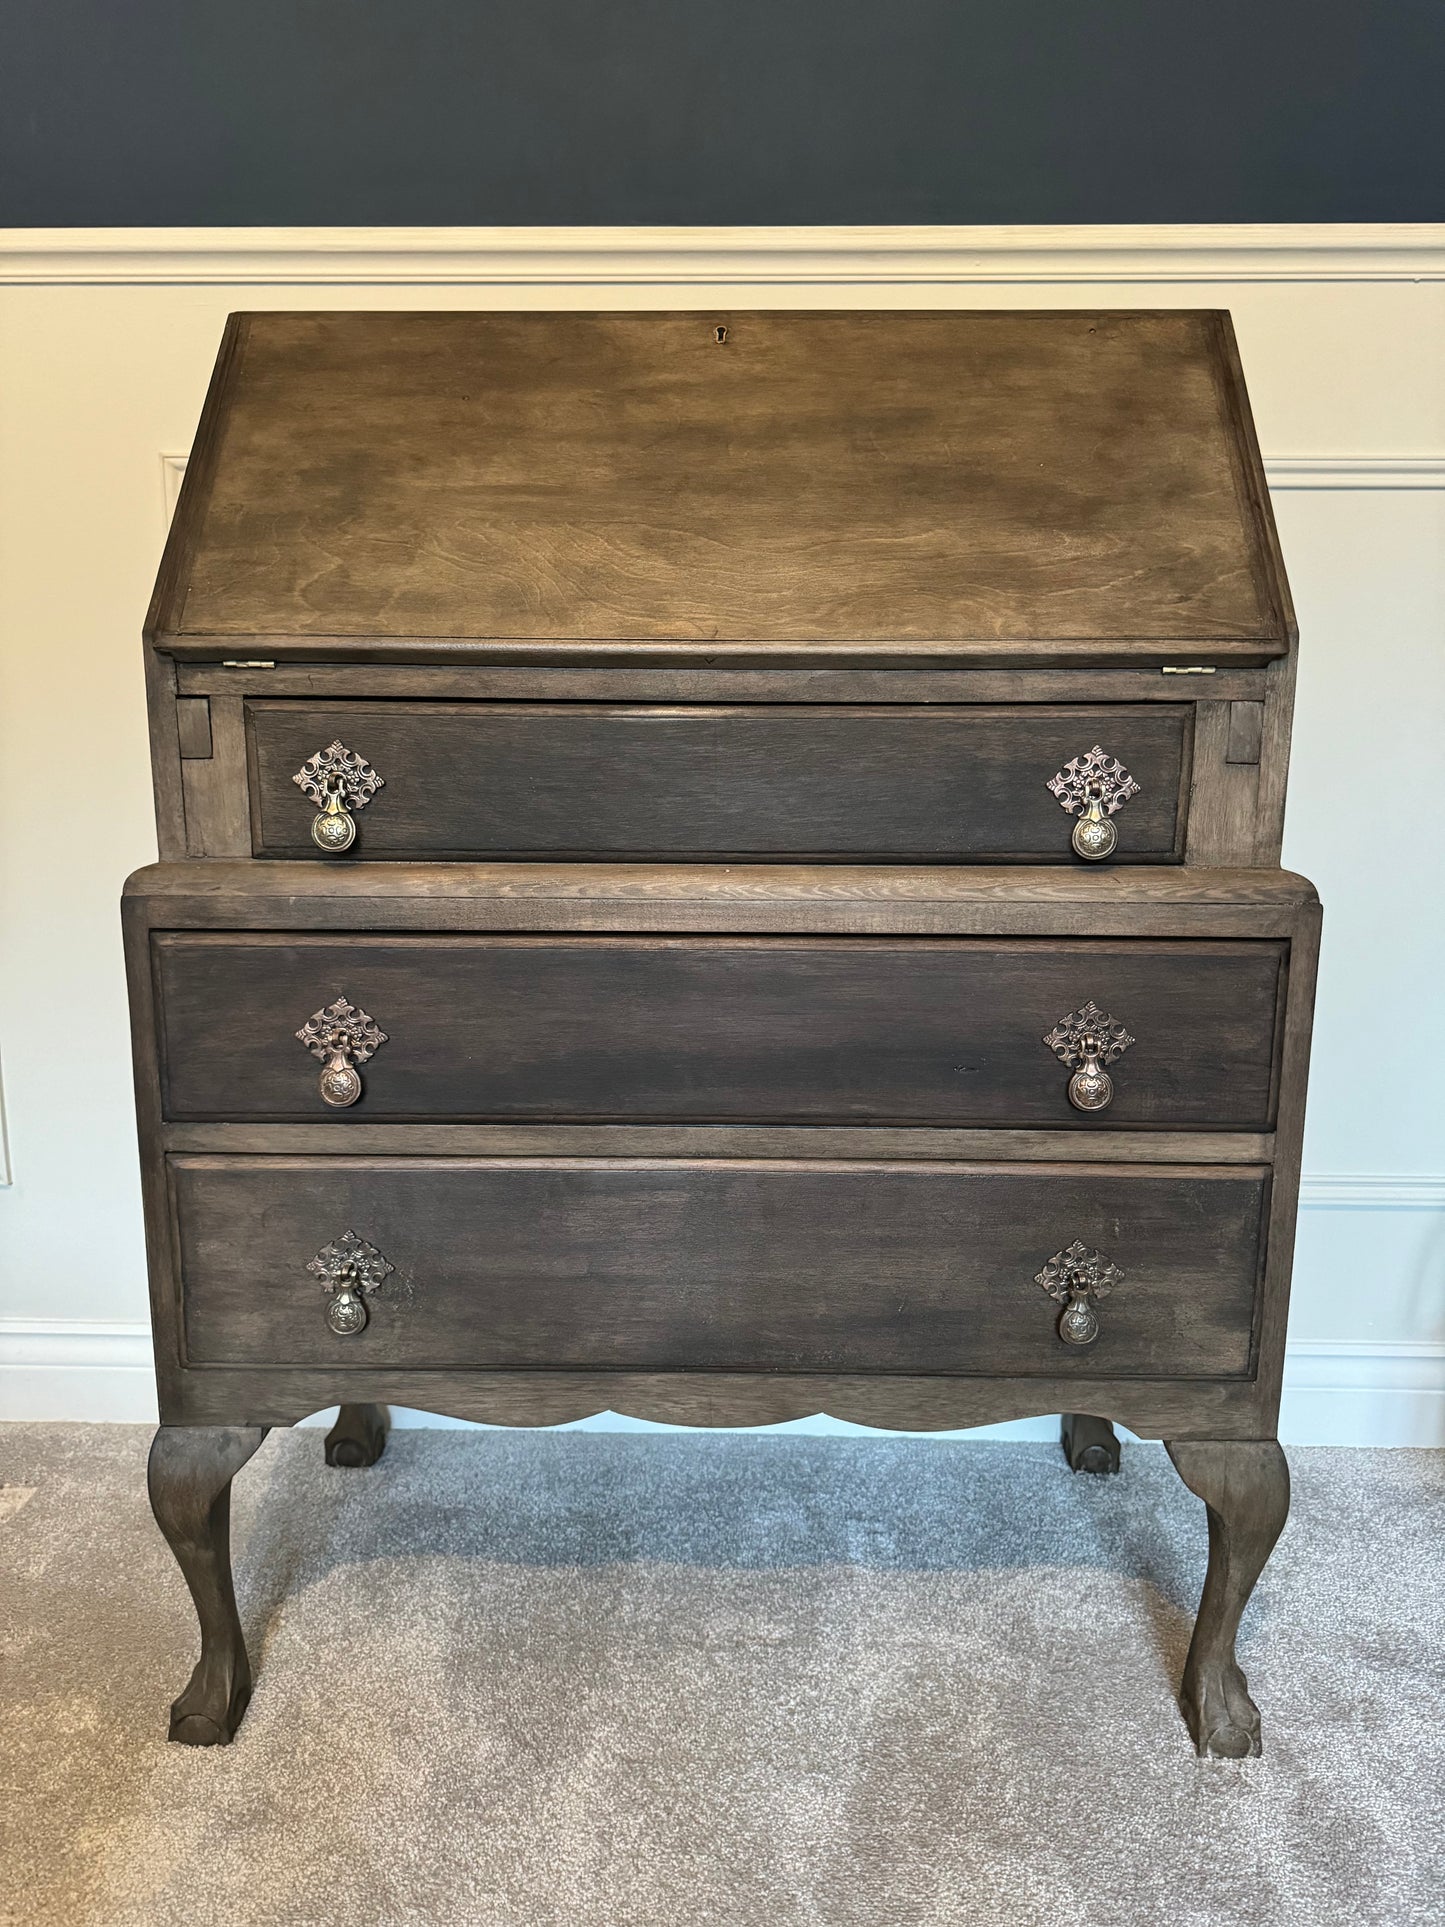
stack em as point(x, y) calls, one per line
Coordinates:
point(347, 1269)
point(341, 1036)
point(1072, 1277)
point(338, 782)
point(1086, 1040)
point(1093, 787)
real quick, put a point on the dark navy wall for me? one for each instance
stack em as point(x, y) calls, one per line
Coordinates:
point(164, 112)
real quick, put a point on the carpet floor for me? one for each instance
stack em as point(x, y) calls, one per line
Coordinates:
point(612, 1680)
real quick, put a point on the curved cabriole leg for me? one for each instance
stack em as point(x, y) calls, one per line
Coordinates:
point(1244, 1484)
point(190, 1474)
point(1090, 1444)
point(358, 1437)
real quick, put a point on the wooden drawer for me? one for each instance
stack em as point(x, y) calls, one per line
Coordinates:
point(630, 1028)
point(951, 782)
point(718, 1266)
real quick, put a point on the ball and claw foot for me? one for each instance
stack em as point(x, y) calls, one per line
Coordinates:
point(1222, 1719)
point(1090, 1444)
point(208, 1712)
point(189, 1475)
point(358, 1437)
point(1244, 1484)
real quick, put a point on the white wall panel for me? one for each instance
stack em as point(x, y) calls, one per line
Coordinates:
point(106, 343)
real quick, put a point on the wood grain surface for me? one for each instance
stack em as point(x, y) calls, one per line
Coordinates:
point(923, 1031)
point(867, 1141)
point(1235, 724)
point(1156, 1407)
point(900, 782)
point(735, 1267)
point(919, 481)
point(337, 681)
point(1069, 895)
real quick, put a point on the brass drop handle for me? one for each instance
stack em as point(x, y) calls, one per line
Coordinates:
point(1077, 1279)
point(1094, 836)
point(335, 828)
point(1086, 1040)
point(348, 1269)
point(1091, 1088)
point(342, 1037)
point(338, 782)
point(346, 1311)
point(1093, 787)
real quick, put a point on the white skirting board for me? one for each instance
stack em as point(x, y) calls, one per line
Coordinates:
point(1338, 1392)
point(1357, 1391)
point(1335, 1394)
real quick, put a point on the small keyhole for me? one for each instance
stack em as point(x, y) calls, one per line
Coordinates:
point(719, 334)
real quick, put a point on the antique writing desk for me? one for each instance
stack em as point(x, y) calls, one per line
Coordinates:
point(723, 866)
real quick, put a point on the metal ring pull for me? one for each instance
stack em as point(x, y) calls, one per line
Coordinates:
point(338, 782)
point(342, 1037)
point(1093, 787)
point(1086, 1040)
point(348, 1269)
point(1072, 1278)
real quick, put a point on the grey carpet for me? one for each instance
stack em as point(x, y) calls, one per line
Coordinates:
point(597, 1680)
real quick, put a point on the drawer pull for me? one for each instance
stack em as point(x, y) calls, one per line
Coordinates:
point(337, 781)
point(1071, 1278)
point(1086, 1040)
point(342, 1037)
point(1093, 787)
point(347, 1270)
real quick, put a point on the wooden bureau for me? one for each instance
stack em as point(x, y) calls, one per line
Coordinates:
point(723, 867)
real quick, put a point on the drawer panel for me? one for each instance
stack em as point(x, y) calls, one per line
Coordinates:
point(711, 1029)
point(603, 780)
point(714, 1266)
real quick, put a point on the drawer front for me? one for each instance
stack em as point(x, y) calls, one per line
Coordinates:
point(712, 1266)
point(817, 1029)
point(599, 780)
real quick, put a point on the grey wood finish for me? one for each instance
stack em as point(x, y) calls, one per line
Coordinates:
point(869, 900)
point(586, 780)
point(358, 1437)
point(734, 1267)
point(193, 726)
point(870, 1141)
point(189, 1476)
point(333, 681)
point(927, 1030)
point(214, 787)
point(1157, 903)
point(825, 539)
point(1230, 811)
point(1090, 1444)
point(1245, 1488)
point(1222, 1408)
point(1246, 732)
point(1024, 484)
point(797, 613)
point(1239, 808)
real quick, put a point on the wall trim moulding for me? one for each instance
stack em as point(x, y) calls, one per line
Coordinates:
point(1350, 1392)
point(1282, 472)
point(1355, 471)
point(731, 256)
point(1361, 1191)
